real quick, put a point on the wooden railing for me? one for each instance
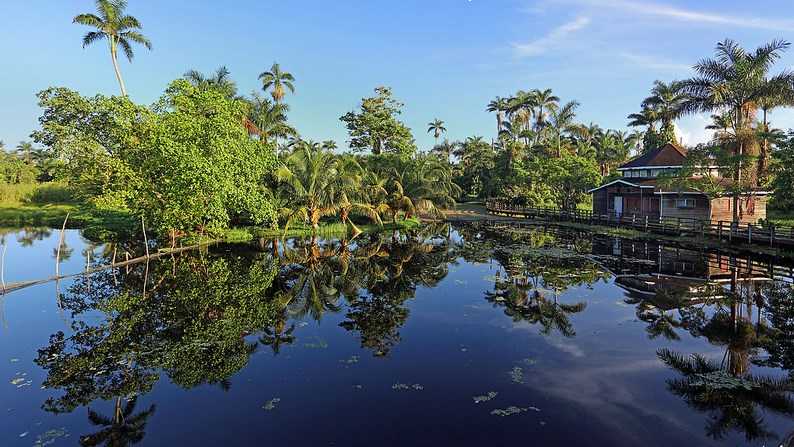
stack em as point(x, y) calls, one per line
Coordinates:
point(677, 226)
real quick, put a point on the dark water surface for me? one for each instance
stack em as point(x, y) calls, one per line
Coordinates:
point(472, 335)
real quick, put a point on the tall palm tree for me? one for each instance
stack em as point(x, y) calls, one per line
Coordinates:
point(278, 82)
point(544, 99)
point(221, 79)
point(736, 80)
point(498, 105)
point(780, 95)
point(25, 150)
point(120, 30)
point(437, 127)
point(561, 121)
point(329, 145)
point(668, 101)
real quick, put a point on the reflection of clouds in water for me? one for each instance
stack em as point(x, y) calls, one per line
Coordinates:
point(552, 340)
point(606, 393)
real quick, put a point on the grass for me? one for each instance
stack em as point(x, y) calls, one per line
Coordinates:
point(780, 218)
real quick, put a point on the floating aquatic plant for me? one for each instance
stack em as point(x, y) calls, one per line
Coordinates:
point(485, 398)
point(721, 380)
point(271, 404)
point(517, 375)
point(50, 436)
point(509, 411)
point(406, 387)
point(319, 344)
point(351, 361)
point(512, 410)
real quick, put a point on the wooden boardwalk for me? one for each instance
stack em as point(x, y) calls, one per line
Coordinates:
point(770, 235)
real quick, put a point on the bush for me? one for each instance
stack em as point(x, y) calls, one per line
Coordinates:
point(51, 193)
point(16, 194)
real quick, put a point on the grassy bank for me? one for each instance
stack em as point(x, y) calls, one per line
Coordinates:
point(48, 205)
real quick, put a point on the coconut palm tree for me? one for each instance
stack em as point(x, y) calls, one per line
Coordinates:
point(498, 105)
point(120, 30)
point(329, 145)
point(278, 82)
point(780, 95)
point(437, 127)
point(736, 80)
point(270, 118)
point(309, 178)
point(220, 79)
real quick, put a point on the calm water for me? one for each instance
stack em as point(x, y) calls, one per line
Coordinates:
point(470, 335)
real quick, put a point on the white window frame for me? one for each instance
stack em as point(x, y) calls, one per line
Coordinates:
point(685, 203)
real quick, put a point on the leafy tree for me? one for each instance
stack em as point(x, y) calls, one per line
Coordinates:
point(120, 30)
point(180, 167)
point(569, 177)
point(783, 168)
point(376, 127)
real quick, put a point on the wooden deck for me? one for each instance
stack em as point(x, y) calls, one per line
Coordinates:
point(671, 226)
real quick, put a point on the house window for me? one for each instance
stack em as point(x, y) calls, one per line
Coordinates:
point(685, 203)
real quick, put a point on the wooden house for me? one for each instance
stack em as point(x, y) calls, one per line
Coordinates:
point(639, 192)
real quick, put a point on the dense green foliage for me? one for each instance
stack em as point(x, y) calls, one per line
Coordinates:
point(185, 164)
point(376, 128)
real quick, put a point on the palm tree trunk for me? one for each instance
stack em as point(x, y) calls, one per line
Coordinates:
point(737, 176)
point(762, 159)
point(114, 58)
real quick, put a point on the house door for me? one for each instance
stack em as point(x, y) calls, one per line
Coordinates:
point(618, 205)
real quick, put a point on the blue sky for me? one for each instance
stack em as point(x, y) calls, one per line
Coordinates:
point(443, 58)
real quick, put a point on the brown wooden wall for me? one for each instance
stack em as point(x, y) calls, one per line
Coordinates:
point(722, 209)
point(700, 211)
point(600, 201)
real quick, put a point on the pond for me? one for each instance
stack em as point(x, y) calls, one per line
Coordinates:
point(468, 335)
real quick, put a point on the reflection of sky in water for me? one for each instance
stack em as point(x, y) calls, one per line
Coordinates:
point(603, 386)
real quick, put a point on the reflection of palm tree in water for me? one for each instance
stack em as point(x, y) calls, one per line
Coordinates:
point(277, 335)
point(123, 429)
point(726, 389)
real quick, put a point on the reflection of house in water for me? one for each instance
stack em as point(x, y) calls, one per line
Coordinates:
point(648, 268)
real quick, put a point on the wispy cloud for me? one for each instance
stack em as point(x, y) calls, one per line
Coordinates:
point(654, 63)
point(552, 39)
point(689, 15)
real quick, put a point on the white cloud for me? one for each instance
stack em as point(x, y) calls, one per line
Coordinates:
point(654, 63)
point(688, 15)
point(692, 130)
point(552, 39)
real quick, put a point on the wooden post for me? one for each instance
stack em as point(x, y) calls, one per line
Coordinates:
point(750, 233)
point(719, 231)
point(771, 235)
point(145, 239)
point(60, 244)
point(3, 268)
point(646, 223)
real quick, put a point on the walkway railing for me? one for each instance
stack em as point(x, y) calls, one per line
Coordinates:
point(676, 226)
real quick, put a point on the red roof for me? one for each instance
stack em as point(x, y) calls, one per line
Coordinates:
point(667, 155)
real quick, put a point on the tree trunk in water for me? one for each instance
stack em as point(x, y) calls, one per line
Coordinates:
point(114, 58)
